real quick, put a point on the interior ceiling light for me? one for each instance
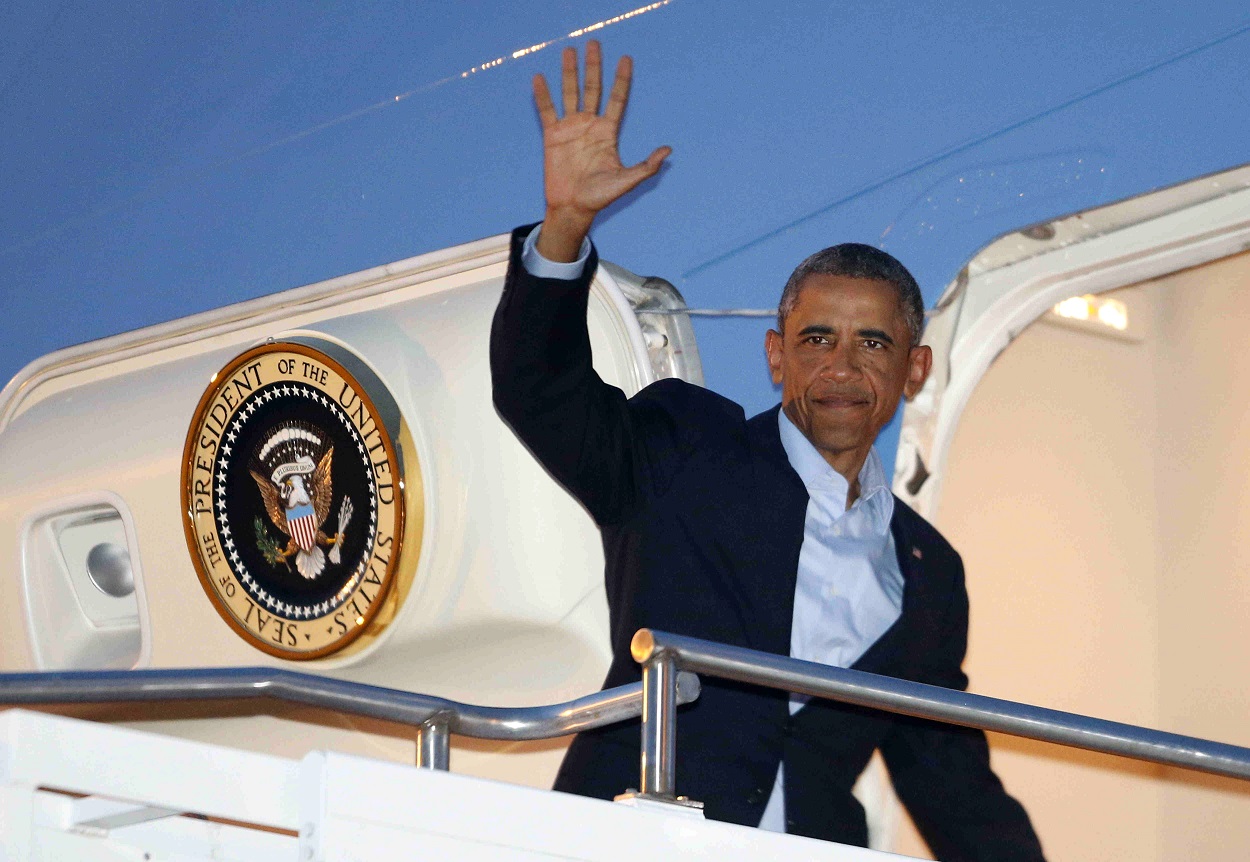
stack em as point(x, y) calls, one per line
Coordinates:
point(1100, 310)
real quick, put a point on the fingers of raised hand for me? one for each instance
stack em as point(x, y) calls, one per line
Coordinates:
point(569, 81)
point(594, 77)
point(657, 157)
point(542, 99)
point(620, 90)
point(649, 166)
point(573, 100)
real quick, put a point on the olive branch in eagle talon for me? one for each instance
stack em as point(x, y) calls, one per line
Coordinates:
point(296, 491)
point(269, 549)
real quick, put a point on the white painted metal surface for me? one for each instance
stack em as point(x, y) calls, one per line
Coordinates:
point(83, 791)
point(76, 790)
point(506, 605)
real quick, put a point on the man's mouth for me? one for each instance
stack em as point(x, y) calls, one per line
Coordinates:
point(841, 402)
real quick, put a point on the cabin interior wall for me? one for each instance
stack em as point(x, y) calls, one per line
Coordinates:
point(1045, 466)
point(1204, 578)
point(1096, 490)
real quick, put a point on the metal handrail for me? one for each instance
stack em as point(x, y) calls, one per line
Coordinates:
point(434, 718)
point(663, 655)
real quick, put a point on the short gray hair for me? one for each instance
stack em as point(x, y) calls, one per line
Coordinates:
point(856, 260)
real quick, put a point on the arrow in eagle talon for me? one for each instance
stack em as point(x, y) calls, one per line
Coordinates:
point(345, 517)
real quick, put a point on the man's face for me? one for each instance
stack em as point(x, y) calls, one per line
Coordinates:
point(843, 363)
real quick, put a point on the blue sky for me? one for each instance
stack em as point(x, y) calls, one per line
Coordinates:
point(164, 158)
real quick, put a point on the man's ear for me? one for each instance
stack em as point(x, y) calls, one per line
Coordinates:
point(773, 347)
point(919, 364)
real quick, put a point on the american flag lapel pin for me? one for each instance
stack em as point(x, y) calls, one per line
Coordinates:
point(915, 552)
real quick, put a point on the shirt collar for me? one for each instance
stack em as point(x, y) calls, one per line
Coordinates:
point(822, 481)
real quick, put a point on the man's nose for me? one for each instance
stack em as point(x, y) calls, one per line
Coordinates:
point(841, 363)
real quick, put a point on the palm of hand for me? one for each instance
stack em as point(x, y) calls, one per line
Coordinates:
point(583, 170)
point(582, 164)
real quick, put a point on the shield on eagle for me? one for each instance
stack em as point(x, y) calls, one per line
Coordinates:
point(291, 467)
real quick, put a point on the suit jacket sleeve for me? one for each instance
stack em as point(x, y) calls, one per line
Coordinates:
point(942, 772)
point(603, 448)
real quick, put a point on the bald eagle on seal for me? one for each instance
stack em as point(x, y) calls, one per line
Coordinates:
point(297, 491)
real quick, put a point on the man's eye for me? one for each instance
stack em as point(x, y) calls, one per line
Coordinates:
point(873, 344)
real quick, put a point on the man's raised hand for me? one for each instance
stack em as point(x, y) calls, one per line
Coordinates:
point(581, 164)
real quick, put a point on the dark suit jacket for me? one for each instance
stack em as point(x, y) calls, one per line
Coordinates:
point(702, 520)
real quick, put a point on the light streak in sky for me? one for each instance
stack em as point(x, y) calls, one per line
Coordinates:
point(157, 188)
point(581, 31)
point(473, 70)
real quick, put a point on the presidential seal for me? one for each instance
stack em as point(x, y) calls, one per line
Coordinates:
point(292, 491)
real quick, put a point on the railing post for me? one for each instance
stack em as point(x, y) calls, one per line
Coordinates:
point(434, 744)
point(659, 730)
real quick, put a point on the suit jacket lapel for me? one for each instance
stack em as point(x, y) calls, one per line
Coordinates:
point(779, 527)
point(891, 645)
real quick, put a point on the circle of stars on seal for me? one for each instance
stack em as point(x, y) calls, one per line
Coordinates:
point(225, 453)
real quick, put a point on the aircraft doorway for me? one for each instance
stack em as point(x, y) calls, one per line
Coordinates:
point(1096, 487)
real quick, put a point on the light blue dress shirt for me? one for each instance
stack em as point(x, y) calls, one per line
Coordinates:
point(540, 267)
point(850, 588)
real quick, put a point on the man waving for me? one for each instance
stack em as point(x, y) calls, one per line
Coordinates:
point(776, 533)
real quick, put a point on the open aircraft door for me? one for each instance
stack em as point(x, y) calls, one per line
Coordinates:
point(316, 479)
point(1081, 441)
